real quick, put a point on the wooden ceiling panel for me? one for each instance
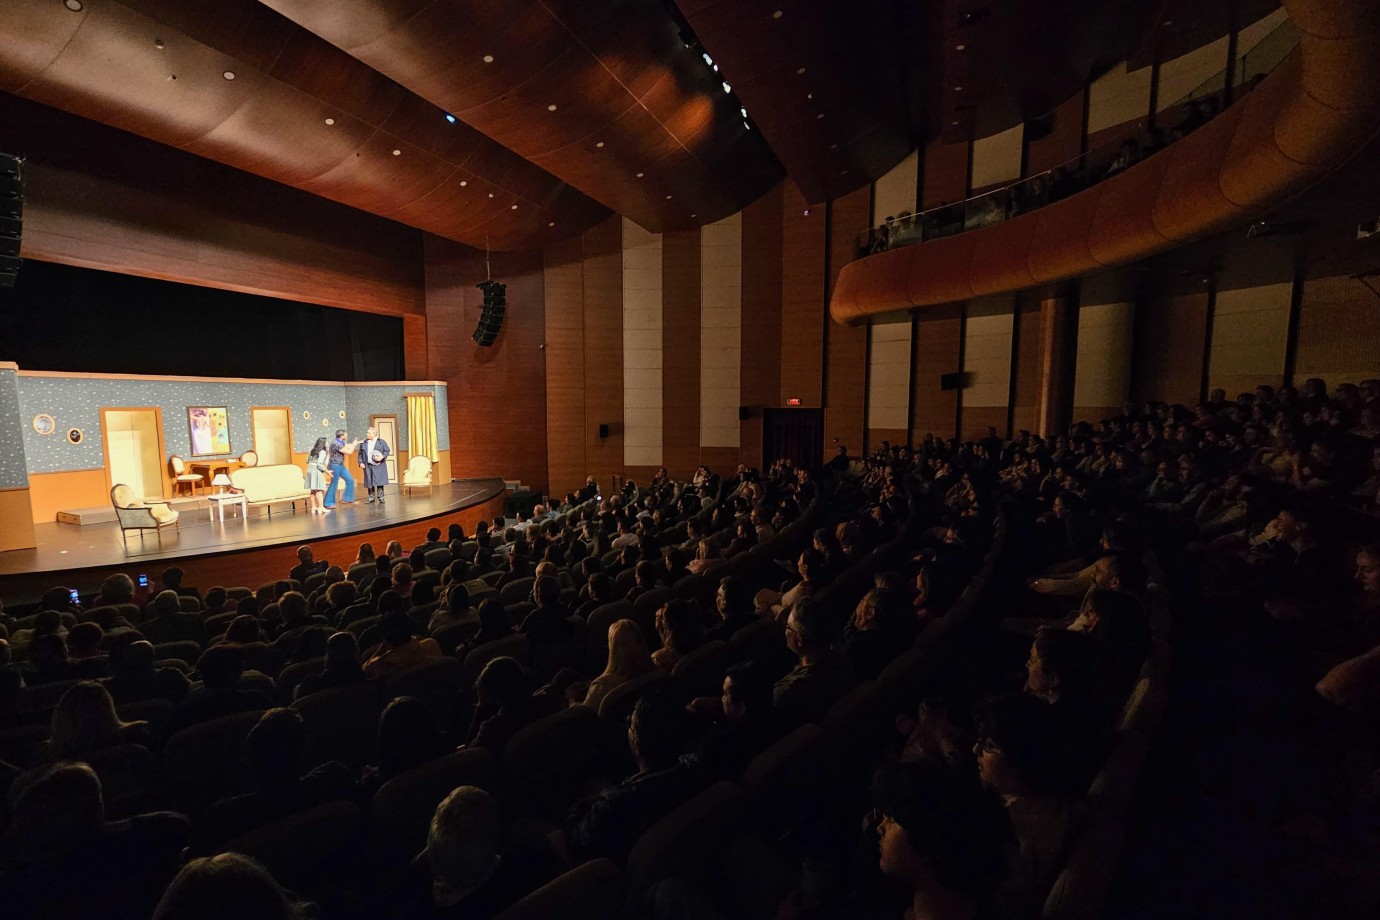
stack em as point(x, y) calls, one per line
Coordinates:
point(115, 62)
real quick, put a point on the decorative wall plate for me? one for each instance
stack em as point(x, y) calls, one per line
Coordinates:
point(75, 436)
point(342, 413)
point(306, 414)
point(44, 424)
point(325, 423)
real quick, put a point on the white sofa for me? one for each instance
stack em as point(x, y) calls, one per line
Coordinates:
point(270, 485)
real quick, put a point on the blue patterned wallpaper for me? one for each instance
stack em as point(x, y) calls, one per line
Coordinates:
point(13, 469)
point(75, 402)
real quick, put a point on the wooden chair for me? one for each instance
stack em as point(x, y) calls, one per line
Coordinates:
point(249, 458)
point(182, 477)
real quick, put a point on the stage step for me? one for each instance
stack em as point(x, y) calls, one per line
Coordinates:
point(84, 517)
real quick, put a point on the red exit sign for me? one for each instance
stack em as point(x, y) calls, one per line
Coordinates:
point(792, 402)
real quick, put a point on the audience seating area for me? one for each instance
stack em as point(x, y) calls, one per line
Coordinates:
point(775, 694)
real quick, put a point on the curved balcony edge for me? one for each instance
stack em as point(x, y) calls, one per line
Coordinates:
point(1304, 121)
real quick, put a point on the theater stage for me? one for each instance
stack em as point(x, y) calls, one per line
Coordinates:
point(241, 551)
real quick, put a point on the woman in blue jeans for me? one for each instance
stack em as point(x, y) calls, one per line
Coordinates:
point(339, 470)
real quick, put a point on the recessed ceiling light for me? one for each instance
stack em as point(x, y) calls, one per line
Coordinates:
point(1167, 22)
point(668, 197)
point(692, 215)
point(229, 75)
point(960, 47)
point(491, 194)
point(809, 95)
point(397, 152)
point(954, 123)
point(464, 182)
point(806, 212)
point(799, 71)
point(777, 15)
point(820, 115)
point(513, 208)
point(73, 5)
point(172, 76)
point(450, 118)
point(958, 89)
point(330, 121)
point(727, 87)
point(158, 43)
point(639, 175)
point(488, 59)
point(551, 107)
point(599, 143)
point(833, 146)
point(551, 223)
point(844, 173)
point(707, 59)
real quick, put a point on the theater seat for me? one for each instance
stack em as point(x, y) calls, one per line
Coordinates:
point(593, 891)
point(685, 844)
point(294, 674)
point(402, 808)
point(516, 591)
point(439, 684)
point(1081, 888)
point(545, 765)
point(131, 782)
point(1115, 784)
point(856, 725)
point(701, 673)
point(515, 646)
point(618, 705)
point(305, 847)
point(788, 775)
point(342, 724)
point(205, 763)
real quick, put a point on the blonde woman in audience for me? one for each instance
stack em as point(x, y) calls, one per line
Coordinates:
point(628, 659)
point(681, 629)
point(395, 550)
point(85, 721)
point(365, 555)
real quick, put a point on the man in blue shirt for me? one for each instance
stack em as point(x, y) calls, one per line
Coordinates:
point(339, 470)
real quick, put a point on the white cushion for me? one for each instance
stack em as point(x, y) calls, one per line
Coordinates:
point(279, 482)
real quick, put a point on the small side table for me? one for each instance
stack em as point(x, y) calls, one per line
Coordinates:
point(220, 500)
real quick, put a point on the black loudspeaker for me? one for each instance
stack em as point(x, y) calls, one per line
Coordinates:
point(950, 381)
point(11, 217)
point(495, 305)
point(603, 431)
point(744, 413)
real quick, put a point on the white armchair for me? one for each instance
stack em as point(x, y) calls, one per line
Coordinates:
point(417, 474)
point(141, 516)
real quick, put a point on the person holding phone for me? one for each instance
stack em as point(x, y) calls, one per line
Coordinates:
point(373, 452)
point(336, 465)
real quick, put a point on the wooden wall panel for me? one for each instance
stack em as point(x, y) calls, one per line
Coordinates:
point(1250, 335)
point(16, 510)
point(565, 366)
point(1025, 412)
point(1064, 140)
point(945, 177)
point(497, 394)
point(1339, 331)
point(938, 344)
point(603, 316)
point(1169, 345)
point(977, 419)
point(760, 375)
point(100, 198)
point(415, 359)
point(802, 299)
point(680, 352)
point(50, 493)
point(845, 398)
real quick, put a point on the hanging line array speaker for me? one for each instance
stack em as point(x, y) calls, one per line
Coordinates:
point(11, 217)
point(491, 320)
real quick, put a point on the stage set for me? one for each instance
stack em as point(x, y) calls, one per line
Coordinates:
point(92, 442)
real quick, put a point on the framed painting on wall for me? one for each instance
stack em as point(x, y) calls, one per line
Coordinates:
point(210, 430)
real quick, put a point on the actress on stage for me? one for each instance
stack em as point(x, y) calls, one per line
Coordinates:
point(316, 475)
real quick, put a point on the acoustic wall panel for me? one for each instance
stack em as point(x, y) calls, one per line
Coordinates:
point(987, 352)
point(997, 158)
point(1117, 97)
point(1250, 333)
point(895, 192)
point(721, 322)
point(1102, 374)
point(888, 373)
point(642, 419)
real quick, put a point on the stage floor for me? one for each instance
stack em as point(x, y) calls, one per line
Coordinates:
point(68, 547)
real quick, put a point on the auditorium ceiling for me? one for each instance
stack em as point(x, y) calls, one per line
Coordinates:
point(513, 123)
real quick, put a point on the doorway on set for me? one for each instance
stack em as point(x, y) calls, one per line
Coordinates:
point(272, 427)
point(387, 426)
point(133, 440)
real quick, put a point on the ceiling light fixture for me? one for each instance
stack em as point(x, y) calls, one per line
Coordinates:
point(742, 110)
point(464, 182)
point(158, 43)
point(727, 88)
point(747, 126)
point(668, 197)
point(833, 146)
point(1167, 22)
point(450, 118)
point(958, 89)
point(800, 71)
point(229, 75)
point(551, 223)
point(820, 115)
point(513, 208)
point(73, 5)
point(488, 59)
point(692, 215)
point(809, 95)
point(330, 121)
point(551, 107)
point(707, 59)
point(397, 152)
point(639, 175)
point(777, 15)
point(491, 194)
point(960, 47)
point(598, 143)
point(954, 123)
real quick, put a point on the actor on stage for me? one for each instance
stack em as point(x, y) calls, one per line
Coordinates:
point(372, 454)
point(339, 471)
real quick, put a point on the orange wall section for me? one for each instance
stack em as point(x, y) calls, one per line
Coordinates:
point(845, 398)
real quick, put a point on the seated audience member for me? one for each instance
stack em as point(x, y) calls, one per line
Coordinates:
point(681, 629)
point(229, 886)
point(745, 538)
point(400, 648)
point(734, 604)
point(945, 837)
point(218, 601)
point(135, 676)
point(645, 577)
point(394, 550)
point(452, 608)
point(172, 581)
point(336, 599)
point(741, 718)
point(707, 555)
point(342, 667)
point(220, 694)
point(1117, 622)
point(118, 589)
point(471, 873)
point(85, 722)
point(243, 630)
point(273, 751)
point(628, 659)
point(609, 823)
point(306, 566)
point(822, 676)
point(599, 589)
point(84, 650)
point(63, 859)
point(408, 737)
point(881, 628)
point(676, 566)
point(433, 541)
point(1061, 670)
point(811, 567)
point(550, 623)
point(48, 661)
point(296, 619)
point(493, 625)
point(506, 704)
point(402, 581)
point(170, 624)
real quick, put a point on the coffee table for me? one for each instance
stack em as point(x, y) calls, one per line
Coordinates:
point(220, 500)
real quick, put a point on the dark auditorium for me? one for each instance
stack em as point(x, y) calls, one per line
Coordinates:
point(689, 460)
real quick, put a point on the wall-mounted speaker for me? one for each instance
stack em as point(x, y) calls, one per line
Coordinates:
point(495, 305)
point(744, 413)
point(950, 381)
point(11, 217)
point(603, 430)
